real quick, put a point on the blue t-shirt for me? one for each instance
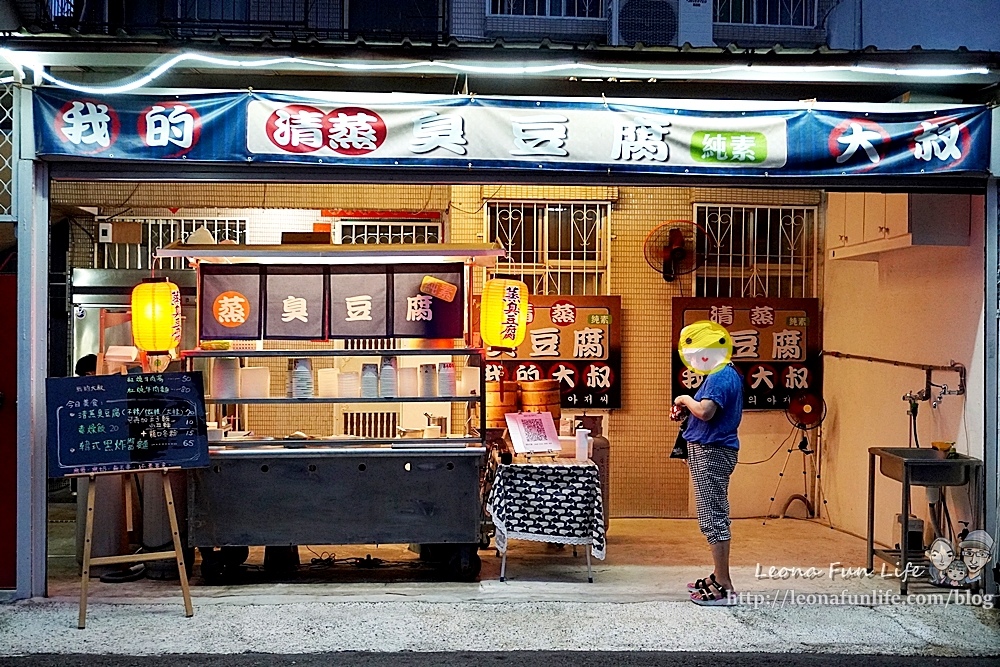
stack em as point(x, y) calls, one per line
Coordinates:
point(725, 389)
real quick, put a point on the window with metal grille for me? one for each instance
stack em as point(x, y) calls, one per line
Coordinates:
point(590, 9)
point(397, 231)
point(159, 232)
point(59, 9)
point(784, 13)
point(755, 251)
point(6, 152)
point(554, 247)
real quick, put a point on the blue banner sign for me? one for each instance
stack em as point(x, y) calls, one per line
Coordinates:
point(623, 136)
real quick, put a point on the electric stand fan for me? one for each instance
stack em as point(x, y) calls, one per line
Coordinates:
point(805, 412)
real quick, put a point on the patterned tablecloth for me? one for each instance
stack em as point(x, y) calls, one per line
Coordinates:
point(548, 502)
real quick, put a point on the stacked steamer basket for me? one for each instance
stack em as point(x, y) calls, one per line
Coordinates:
point(501, 398)
point(540, 396)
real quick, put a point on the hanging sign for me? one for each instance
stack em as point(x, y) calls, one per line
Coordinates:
point(427, 301)
point(777, 347)
point(248, 301)
point(230, 303)
point(359, 302)
point(296, 302)
point(107, 423)
point(613, 136)
point(573, 339)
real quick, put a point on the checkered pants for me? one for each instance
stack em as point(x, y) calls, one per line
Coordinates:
point(710, 470)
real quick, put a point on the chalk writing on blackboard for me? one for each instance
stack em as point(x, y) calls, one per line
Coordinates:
point(126, 422)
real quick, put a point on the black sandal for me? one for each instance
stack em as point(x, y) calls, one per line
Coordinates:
point(701, 583)
point(720, 597)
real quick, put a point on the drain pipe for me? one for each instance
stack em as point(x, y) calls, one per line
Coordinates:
point(928, 369)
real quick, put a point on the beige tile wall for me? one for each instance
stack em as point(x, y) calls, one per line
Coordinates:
point(644, 481)
point(250, 195)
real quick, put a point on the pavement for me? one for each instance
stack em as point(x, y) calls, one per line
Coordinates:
point(293, 627)
point(494, 659)
point(636, 610)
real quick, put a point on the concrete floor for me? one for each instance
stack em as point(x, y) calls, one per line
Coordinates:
point(647, 559)
point(637, 603)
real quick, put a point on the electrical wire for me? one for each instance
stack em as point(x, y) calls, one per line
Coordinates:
point(775, 453)
point(486, 200)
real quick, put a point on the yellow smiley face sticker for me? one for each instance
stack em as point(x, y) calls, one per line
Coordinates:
point(705, 347)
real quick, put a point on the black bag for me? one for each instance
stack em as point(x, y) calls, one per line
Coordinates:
point(680, 450)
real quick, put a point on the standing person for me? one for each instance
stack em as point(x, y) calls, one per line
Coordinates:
point(713, 445)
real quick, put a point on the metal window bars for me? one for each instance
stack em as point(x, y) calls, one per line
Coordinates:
point(591, 9)
point(781, 13)
point(367, 232)
point(7, 152)
point(554, 247)
point(160, 232)
point(756, 251)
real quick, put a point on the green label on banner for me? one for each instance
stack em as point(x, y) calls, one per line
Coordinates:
point(717, 147)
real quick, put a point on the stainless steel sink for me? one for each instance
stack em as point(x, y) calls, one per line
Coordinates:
point(928, 467)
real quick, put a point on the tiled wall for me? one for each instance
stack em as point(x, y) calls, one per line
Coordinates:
point(644, 481)
point(116, 197)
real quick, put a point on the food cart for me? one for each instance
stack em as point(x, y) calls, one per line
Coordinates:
point(365, 483)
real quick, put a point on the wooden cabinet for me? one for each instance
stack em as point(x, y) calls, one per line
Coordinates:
point(854, 218)
point(861, 225)
point(836, 209)
point(874, 216)
point(897, 215)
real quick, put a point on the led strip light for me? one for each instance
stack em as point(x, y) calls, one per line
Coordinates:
point(21, 61)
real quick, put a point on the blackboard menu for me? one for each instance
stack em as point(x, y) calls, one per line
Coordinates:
point(108, 423)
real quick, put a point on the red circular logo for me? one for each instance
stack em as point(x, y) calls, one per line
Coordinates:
point(529, 371)
point(91, 126)
point(562, 313)
point(297, 128)
point(859, 143)
point(170, 125)
point(943, 140)
point(598, 377)
point(354, 131)
point(567, 376)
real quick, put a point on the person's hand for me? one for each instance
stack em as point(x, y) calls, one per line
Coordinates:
point(680, 400)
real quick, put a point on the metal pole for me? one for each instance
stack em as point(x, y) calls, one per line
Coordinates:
point(32, 351)
point(991, 451)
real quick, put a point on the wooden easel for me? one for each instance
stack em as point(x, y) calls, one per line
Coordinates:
point(177, 553)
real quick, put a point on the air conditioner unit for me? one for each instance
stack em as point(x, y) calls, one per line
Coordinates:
point(652, 22)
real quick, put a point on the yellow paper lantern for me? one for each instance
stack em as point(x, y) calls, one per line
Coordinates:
point(503, 316)
point(156, 315)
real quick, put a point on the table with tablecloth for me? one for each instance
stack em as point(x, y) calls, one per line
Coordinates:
point(557, 502)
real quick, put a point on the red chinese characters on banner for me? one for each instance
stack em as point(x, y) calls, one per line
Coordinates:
point(563, 313)
point(300, 128)
point(170, 125)
point(89, 125)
